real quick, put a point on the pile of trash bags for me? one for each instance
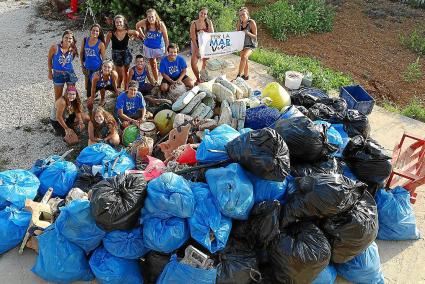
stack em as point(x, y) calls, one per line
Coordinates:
point(273, 193)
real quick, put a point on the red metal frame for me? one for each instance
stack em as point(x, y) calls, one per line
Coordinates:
point(408, 165)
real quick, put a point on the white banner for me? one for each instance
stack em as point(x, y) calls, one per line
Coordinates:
point(217, 44)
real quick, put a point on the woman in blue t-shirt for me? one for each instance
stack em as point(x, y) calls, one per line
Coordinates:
point(154, 33)
point(173, 69)
point(103, 128)
point(92, 53)
point(59, 62)
point(131, 106)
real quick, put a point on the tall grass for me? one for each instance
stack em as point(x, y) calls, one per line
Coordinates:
point(278, 63)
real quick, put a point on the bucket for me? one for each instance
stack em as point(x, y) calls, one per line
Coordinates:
point(293, 80)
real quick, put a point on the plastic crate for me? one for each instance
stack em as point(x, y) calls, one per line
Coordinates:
point(357, 98)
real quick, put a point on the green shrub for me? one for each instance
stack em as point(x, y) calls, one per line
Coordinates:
point(415, 41)
point(177, 14)
point(278, 63)
point(303, 17)
point(415, 109)
point(413, 72)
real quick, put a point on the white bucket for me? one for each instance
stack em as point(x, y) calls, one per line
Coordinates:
point(293, 80)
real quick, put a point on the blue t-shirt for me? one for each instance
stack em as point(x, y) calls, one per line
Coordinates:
point(130, 106)
point(172, 69)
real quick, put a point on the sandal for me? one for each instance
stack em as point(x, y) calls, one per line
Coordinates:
point(102, 103)
point(245, 77)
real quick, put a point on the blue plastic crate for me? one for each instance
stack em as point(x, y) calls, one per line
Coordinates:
point(357, 98)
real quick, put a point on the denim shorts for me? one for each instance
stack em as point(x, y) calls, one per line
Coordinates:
point(62, 77)
point(122, 57)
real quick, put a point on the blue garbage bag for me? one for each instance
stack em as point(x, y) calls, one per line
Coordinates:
point(110, 269)
point(60, 176)
point(207, 225)
point(364, 268)
point(396, 216)
point(13, 225)
point(346, 171)
point(77, 225)
point(216, 140)
point(334, 137)
point(344, 136)
point(261, 117)
point(267, 189)
point(59, 260)
point(18, 185)
point(327, 276)
point(118, 164)
point(177, 272)
point(42, 164)
point(170, 195)
point(127, 244)
point(164, 235)
point(291, 187)
point(232, 191)
point(95, 154)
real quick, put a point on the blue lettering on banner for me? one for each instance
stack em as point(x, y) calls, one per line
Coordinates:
point(220, 42)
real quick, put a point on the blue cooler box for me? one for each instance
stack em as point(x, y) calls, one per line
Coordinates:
point(357, 98)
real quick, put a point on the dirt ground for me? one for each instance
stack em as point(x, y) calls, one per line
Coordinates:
point(365, 44)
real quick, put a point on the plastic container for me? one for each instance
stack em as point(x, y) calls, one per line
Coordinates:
point(357, 98)
point(307, 79)
point(293, 80)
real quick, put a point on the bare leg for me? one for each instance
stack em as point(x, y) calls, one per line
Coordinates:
point(120, 71)
point(58, 91)
point(154, 68)
point(115, 140)
point(102, 97)
point(194, 64)
point(188, 83)
point(246, 69)
point(126, 67)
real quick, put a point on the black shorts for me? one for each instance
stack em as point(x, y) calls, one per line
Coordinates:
point(122, 57)
point(70, 121)
point(107, 88)
point(166, 82)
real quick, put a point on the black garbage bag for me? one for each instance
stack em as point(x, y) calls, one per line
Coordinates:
point(306, 141)
point(332, 110)
point(153, 265)
point(237, 264)
point(307, 97)
point(320, 196)
point(330, 166)
point(299, 254)
point(303, 110)
point(85, 179)
point(261, 227)
point(356, 123)
point(116, 202)
point(367, 160)
point(351, 232)
point(262, 152)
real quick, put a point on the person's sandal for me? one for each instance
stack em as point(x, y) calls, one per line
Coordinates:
point(245, 78)
point(102, 104)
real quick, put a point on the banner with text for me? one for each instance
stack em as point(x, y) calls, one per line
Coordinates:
point(217, 44)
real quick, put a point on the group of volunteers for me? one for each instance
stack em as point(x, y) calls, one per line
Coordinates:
point(68, 117)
